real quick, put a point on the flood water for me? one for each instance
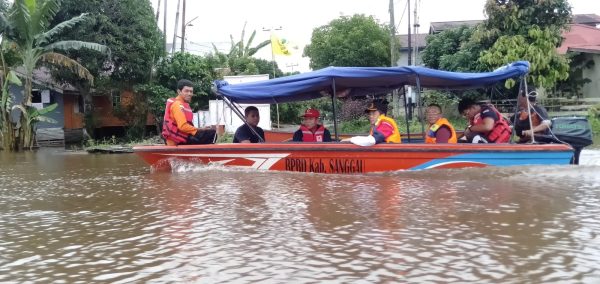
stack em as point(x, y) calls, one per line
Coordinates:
point(78, 218)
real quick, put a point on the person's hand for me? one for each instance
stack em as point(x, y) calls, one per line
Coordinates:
point(527, 133)
point(467, 131)
point(345, 140)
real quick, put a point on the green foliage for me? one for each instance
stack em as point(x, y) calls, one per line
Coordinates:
point(30, 37)
point(514, 30)
point(538, 47)
point(187, 66)
point(290, 112)
point(575, 82)
point(359, 125)
point(452, 50)
point(516, 17)
point(156, 97)
point(239, 60)
point(127, 27)
point(349, 41)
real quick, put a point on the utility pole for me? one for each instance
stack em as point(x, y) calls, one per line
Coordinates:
point(157, 11)
point(183, 23)
point(176, 26)
point(409, 38)
point(165, 26)
point(416, 29)
point(392, 34)
point(395, 100)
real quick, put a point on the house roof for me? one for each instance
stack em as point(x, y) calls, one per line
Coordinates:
point(580, 38)
point(42, 77)
point(586, 19)
point(437, 27)
point(420, 40)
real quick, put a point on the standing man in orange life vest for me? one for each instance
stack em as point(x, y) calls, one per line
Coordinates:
point(440, 130)
point(178, 128)
point(311, 130)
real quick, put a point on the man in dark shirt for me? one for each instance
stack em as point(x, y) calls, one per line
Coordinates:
point(244, 133)
point(539, 118)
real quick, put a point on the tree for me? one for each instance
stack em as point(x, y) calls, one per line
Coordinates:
point(452, 50)
point(239, 60)
point(34, 42)
point(129, 29)
point(349, 41)
point(526, 30)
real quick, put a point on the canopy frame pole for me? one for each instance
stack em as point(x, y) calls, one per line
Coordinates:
point(528, 110)
point(406, 114)
point(241, 116)
point(419, 102)
point(335, 128)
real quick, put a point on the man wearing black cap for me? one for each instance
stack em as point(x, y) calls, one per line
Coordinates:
point(383, 129)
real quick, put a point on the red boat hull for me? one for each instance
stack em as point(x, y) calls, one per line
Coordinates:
point(346, 158)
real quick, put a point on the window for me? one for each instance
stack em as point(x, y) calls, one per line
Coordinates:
point(116, 99)
point(36, 97)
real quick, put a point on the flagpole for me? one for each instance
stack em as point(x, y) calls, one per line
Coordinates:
point(270, 30)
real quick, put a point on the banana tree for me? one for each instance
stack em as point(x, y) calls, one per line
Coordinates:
point(28, 22)
point(8, 130)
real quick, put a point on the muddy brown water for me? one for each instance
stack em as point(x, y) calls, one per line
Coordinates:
point(79, 218)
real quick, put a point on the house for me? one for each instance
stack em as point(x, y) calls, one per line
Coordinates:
point(418, 41)
point(585, 40)
point(69, 114)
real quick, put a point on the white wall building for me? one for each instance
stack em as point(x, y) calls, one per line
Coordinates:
point(219, 113)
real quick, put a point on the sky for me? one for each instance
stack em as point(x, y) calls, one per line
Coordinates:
point(295, 20)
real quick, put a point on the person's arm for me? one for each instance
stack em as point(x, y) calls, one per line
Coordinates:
point(326, 136)
point(182, 123)
point(489, 119)
point(383, 130)
point(442, 135)
point(544, 124)
point(297, 136)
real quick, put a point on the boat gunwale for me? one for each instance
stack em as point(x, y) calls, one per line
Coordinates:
point(348, 147)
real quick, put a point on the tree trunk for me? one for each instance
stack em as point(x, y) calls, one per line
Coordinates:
point(88, 109)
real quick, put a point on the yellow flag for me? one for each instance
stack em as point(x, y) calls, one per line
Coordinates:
point(279, 47)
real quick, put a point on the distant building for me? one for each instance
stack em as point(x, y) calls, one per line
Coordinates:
point(69, 115)
point(585, 40)
point(438, 27)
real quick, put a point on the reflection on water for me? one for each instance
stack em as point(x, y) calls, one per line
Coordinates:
point(108, 218)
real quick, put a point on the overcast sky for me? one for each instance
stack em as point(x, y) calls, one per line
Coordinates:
point(216, 20)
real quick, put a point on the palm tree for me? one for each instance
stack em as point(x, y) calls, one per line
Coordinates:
point(239, 52)
point(28, 35)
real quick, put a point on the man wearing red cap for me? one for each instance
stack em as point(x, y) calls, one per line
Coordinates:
point(311, 130)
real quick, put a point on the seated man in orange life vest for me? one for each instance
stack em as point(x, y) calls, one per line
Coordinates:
point(440, 130)
point(311, 130)
point(486, 124)
point(178, 128)
point(383, 128)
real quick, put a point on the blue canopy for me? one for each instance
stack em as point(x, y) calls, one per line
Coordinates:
point(360, 81)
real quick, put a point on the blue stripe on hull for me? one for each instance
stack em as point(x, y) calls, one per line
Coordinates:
point(503, 159)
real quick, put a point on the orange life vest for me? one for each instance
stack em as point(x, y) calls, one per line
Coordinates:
point(430, 138)
point(395, 137)
point(309, 136)
point(170, 130)
point(501, 132)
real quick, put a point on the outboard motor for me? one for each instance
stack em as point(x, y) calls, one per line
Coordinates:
point(575, 131)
